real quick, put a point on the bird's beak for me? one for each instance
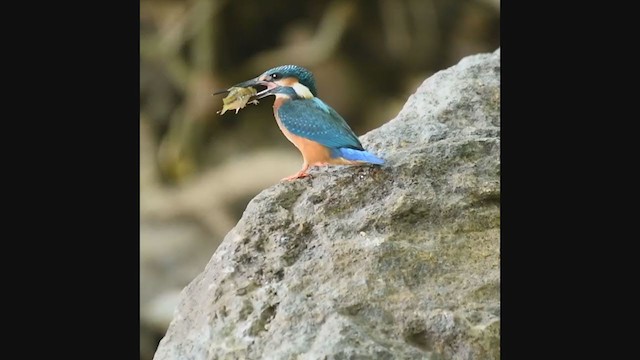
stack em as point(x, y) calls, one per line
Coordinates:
point(255, 83)
point(258, 83)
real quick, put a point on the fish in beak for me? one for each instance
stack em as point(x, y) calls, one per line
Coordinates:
point(257, 83)
point(246, 92)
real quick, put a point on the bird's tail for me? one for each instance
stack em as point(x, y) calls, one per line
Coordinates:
point(358, 155)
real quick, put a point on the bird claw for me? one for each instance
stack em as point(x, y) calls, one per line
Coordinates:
point(299, 175)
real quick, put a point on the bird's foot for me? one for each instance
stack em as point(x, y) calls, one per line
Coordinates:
point(298, 175)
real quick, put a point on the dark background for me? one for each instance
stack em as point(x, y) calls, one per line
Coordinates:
point(198, 169)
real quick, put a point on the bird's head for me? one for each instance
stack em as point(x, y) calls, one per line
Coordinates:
point(289, 80)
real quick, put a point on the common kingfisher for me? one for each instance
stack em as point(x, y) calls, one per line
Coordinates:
point(315, 128)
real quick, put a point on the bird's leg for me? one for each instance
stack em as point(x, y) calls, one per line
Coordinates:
point(300, 174)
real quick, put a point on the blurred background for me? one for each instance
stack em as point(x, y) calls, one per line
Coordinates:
point(199, 169)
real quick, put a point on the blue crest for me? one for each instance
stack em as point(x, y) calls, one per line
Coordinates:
point(304, 76)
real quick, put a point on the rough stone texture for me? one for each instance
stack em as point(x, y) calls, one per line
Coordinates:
point(181, 226)
point(397, 262)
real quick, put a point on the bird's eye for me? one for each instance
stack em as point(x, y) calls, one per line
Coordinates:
point(275, 76)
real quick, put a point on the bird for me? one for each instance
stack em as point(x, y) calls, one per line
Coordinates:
point(321, 135)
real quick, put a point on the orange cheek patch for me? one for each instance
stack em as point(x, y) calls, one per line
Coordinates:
point(288, 81)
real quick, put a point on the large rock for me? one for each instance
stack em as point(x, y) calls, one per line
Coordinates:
point(397, 262)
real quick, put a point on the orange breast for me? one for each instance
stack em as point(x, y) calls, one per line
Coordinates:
point(312, 151)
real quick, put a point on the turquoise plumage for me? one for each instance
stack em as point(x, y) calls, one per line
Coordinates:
point(314, 120)
point(317, 130)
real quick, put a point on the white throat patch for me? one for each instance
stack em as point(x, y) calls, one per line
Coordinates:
point(302, 91)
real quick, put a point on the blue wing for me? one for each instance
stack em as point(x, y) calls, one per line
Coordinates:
point(314, 120)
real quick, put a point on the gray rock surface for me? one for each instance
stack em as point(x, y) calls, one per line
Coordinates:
point(397, 262)
point(181, 226)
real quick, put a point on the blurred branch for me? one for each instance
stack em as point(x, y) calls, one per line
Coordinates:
point(494, 3)
point(180, 147)
point(317, 49)
point(200, 14)
point(177, 68)
point(195, 22)
point(410, 29)
point(395, 25)
point(426, 37)
point(203, 37)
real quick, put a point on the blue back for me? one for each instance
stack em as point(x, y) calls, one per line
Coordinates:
point(314, 120)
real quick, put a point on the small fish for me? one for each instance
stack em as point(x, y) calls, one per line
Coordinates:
point(237, 99)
